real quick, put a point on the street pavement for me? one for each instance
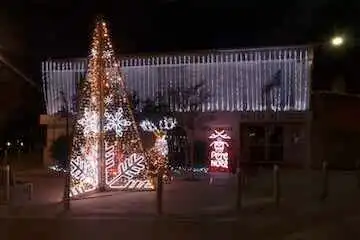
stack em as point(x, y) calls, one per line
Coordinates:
point(192, 210)
point(269, 224)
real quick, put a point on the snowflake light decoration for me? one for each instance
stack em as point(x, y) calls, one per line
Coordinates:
point(94, 52)
point(116, 122)
point(90, 122)
point(84, 170)
point(108, 99)
point(107, 53)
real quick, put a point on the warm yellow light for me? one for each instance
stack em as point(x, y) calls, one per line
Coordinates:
point(122, 144)
point(337, 41)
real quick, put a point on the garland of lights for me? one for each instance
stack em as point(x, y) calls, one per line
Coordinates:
point(105, 116)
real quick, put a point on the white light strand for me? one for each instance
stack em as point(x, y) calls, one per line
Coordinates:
point(233, 91)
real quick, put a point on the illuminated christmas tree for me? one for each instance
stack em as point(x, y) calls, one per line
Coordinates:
point(107, 152)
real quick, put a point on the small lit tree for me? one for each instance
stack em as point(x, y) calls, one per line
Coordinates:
point(188, 101)
point(181, 103)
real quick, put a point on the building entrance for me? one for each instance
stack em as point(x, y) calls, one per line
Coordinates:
point(262, 143)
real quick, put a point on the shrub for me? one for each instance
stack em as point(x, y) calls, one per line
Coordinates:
point(59, 151)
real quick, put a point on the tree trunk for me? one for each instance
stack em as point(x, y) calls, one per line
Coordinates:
point(191, 150)
point(190, 153)
point(67, 167)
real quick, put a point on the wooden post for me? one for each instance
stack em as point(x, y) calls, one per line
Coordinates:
point(276, 185)
point(239, 189)
point(159, 192)
point(324, 193)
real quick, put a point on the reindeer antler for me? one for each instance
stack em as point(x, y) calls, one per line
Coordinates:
point(148, 126)
point(167, 123)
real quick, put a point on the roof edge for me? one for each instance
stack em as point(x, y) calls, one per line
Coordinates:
point(197, 52)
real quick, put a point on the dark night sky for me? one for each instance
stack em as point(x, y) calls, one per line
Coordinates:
point(33, 30)
point(62, 28)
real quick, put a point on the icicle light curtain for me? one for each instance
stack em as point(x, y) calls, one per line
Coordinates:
point(236, 80)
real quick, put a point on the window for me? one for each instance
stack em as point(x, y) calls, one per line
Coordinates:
point(256, 135)
point(265, 142)
point(275, 135)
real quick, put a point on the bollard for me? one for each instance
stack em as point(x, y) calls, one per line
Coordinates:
point(6, 157)
point(358, 173)
point(159, 193)
point(324, 193)
point(18, 156)
point(211, 180)
point(6, 170)
point(276, 185)
point(30, 191)
point(66, 197)
point(239, 189)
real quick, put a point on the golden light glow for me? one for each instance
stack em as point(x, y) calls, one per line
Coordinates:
point(92, 163)
point(337, 41)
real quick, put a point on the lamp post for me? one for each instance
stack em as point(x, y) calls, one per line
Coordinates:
point(337, 41)
point(66, 197)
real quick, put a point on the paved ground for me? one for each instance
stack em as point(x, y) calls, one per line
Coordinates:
point(266, 225)
point(193, 210)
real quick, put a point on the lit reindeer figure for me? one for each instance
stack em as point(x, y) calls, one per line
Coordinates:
point(160, 131)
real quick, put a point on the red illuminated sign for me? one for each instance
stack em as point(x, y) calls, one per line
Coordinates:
point(219, 151)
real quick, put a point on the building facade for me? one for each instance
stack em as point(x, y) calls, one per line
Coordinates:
point(335, 129)
point(261, 97)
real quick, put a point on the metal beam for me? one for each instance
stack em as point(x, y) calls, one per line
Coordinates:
point(17, 71)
